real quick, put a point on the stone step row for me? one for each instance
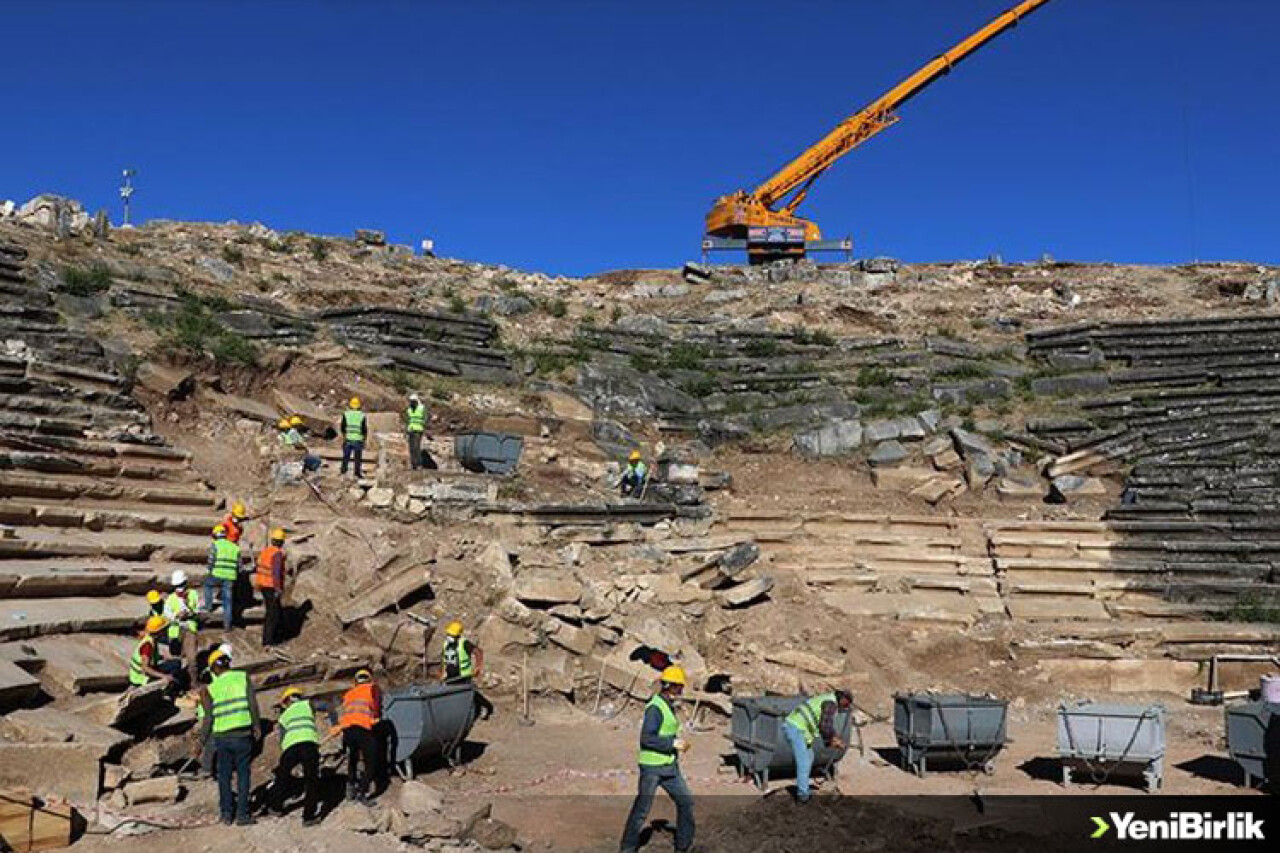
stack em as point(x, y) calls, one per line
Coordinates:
point(44, 548)
point(69, 488)
point(57, 463)
point(52, 578)
point(155, 454)
point(33, 514)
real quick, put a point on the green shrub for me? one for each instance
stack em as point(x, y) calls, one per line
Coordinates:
point(558, 308)
point(686, 356)
point(319, 249)
point(762, 348)
point(1251, 607)
point(816, 337)
point(194, 328)
point(78, 281)
point(699, 386)
point(616, 314)
point(874, 376)
point(233, 254)
point(457, 305)
point(644, 362)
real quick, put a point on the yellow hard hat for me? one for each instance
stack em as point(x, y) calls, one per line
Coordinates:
point(219, 530)
point(283, 424)
point(153, 596)
point(217, 655)
point(363, 675)
point(355, 402)
point(156, 623)
point(635, 456)
point(277, 535)
point(453, 629)
point(290, 693)
point(295, 421)
point(673, 675)
point(238, 510)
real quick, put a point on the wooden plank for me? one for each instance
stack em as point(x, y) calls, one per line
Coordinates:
point(28, 823)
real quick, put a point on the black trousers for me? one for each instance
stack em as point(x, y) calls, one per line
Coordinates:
point(362, 759)
point(415, 450)
point(306, 756)
point(271, 621)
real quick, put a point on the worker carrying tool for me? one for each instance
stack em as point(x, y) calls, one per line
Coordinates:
point(634, 476)
point(230, 717)
point(299, 747)
point(659, 760)
point(235, 522)
point(222, 570)
point(145, 664)
point(180, 608)
point(814, 718)
point(461, 662)
point(268, 578)
point(415, 418)
point(354, 429)
point(360, 714)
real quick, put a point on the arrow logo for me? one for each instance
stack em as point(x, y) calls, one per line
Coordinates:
point(1103, 826)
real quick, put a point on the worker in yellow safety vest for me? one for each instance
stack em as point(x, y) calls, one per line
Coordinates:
point(354, 429)
point(814, 719)
point(223, 569)
point(180, 609)
point(460, 662)
point(145, 664)
point(299, 747)
point(415, 418)
point(660, 747)
point(634, 476)
point(230, 717)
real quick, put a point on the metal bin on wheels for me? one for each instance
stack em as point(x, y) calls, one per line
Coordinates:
point(428, 721)
point(949, 726)
point(763, 751)
point(1247, 726)
point(1103, 739)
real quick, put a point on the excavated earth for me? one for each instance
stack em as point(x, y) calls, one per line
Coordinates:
point(1045, 482)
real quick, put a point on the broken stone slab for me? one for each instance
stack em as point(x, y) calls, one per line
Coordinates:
point(161, 789)
point(1012, 488)
point(380, 498)
point(245, 407)
point(53, 725)
point(669, 589)
point(78, 667)
point(971, 444)
point(804, 661)
point(901, 479)
point(833, 439)
point(172, 383)
point(579, 641)
point(738, 557)
point(747, 593)
point(882, 430)
point(930, 420)
point(34, 617)
point(1075, 485)
point(936, 489)
point(314, 418)
point(384, 595)
point(68, 771)
point(887, 453)
point(979, 471)
point(947, 460)
point(910, 429)
point(17, 686)
point(487, 831)
point(545, 588)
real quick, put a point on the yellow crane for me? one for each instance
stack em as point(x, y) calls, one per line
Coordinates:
point(763, 221)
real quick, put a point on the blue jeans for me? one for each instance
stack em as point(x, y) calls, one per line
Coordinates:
point(352, 451)
point(233, 753)
point(670, 780)
point(228, 598)
point(803, 754)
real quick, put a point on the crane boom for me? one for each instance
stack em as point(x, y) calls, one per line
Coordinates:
point(736, 214)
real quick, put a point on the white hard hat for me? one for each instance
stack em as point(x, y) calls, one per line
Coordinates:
point(226, 649)
point(179, 577)
point(414, 397)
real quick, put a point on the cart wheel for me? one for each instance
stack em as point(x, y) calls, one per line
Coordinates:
point(989, 768)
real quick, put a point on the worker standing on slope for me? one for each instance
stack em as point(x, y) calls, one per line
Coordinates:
point(814, 718)
point(354, 429)
point(360, 715)
point(223, 569)
point(415, 428)
point(461, 662)
point(230, 711)
point(634, 475)
point(269, 580)
point(180, 608)
point(659, 760)
point(299, 747)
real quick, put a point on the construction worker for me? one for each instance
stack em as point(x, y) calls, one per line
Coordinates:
point(814, 718)
point(269, 580)
point(299, 746)
point(634, 476)
point(461, 661)
point(180, 608)
point(354, 429)
point(155, 603)
point(361, 712)
point(659, 760)
point(415, 427)
point(223, 569)
point(234, 522)
point(145, 665)
point(230, 716)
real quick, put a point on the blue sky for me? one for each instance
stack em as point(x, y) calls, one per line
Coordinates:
point(575, 137)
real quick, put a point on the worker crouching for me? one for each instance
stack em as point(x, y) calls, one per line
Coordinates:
point(659, 760)
point(299, 747)
point(634, 476)
point(815, 718)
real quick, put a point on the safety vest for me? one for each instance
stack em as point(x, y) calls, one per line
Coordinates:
point(353, 425)
point(137, 676)
point(173, 610)
point(298, 725)
point(807, 716)
point(265, 578)
point(226, 559)
point(457, 657)
point(229, 699)
point(234, 528)
point(637, 469)
point(359, 707)
point(670, 728)
point(417, 418)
